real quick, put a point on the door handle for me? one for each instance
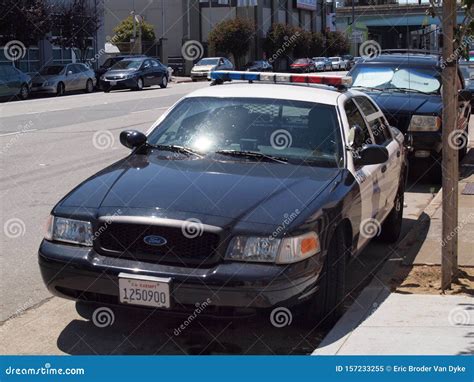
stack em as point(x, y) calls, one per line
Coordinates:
point(384, 168)
point(398, 154)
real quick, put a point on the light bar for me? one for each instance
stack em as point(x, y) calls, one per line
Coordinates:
point(281, 78)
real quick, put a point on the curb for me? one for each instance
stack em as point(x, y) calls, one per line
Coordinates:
point(376, 292)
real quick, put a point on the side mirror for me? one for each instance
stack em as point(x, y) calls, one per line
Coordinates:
point(356, 137)
point(372, 154)
point(132, 138)
point(464, 95)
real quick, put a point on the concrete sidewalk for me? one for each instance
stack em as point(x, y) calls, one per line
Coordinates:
point(381, 322)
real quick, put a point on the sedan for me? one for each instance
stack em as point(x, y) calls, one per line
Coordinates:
point(337, 63)
point(58, 79)
point(135, 74)
point(201, 70)
point(13, 82)
point(258, 66)
point(303, 65)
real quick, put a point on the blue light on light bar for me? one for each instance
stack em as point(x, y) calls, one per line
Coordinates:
point(236, 76)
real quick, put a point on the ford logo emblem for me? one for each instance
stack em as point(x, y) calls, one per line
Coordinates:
point(156, 241)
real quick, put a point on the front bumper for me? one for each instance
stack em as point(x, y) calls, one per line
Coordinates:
point(43, 89)
point(199, 75)
point(123, 84)
point(80, 273)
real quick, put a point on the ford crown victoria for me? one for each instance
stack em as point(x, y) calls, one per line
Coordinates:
point(248, 196)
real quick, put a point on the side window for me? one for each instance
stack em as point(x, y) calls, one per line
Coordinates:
point(154, 64)
point(146, 64)
point(354, 117)
point(377, 123)
point(366, 106)
point(378, 128)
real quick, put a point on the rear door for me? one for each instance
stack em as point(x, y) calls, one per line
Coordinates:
point(388, 173)
point(148, 74)
point(72, 77)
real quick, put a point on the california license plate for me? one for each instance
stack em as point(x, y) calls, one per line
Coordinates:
point(144, 290)
point(113, 83)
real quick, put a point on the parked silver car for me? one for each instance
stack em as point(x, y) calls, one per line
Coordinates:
point(202, 69)
point(58, 79)
point(322, 63)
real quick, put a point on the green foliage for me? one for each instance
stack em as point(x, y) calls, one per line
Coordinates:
point(302, 45)
point(316, 47)
point(232, 37)
point(123, 32)
point(281, 40)
point(336, 44)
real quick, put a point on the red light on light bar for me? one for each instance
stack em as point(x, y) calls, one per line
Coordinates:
point(326, 80)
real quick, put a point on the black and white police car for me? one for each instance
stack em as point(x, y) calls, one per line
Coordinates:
point(246, 196)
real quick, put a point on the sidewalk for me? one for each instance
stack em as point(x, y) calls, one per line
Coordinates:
point(383, 322)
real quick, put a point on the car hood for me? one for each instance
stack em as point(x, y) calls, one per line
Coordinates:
point(40, 77)
point(203, 67)
point(237, 191)
point(412, 103)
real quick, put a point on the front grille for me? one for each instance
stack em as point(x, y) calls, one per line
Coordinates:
point(114, 77)
point(127, 241)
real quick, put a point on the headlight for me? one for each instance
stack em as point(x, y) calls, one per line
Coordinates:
point(424, 123)
point(69, 231)
point(48, 83)
point(270, 250)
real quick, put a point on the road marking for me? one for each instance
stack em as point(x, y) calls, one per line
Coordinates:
point(18, 132)
point(158, 108)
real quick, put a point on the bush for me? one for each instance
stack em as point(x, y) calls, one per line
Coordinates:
point(232, 37)
point(336, 44)
point(124, 31)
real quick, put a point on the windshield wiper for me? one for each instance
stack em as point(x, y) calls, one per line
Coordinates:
point(367, 88)
point(177, 149)
point(407, 90)
point(253, 154)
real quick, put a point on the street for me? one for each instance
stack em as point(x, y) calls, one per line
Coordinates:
point(48, 146)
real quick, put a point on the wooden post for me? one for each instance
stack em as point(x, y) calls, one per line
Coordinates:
point(450, 163)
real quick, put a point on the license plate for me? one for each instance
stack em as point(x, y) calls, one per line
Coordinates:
point(113, 83)
point(144, 290)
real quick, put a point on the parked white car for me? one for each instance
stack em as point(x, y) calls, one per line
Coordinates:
point(337, 63)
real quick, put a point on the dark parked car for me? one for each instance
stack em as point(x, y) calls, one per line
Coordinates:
point(111, 61)
point(258, 66)
point(13, 82)
point(467, 70)
point(407, 87)
point(245, 197)
point(135, 73)
point(303, 65)
point(349, 61)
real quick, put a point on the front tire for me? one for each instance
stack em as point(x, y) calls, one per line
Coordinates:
point(24, 92)
point(60, 90)
point(139, 85)
point(327, 305)
point(89, 86)
point(164, 82)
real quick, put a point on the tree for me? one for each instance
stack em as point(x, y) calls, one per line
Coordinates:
point(124, 31)
point(316, 47)
point(232, 37)
point(336, 44)
point(280, 42)
point(302, 44)
point(78, 22)
point(25, 20)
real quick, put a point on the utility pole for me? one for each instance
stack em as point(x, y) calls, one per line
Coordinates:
point(450, 163)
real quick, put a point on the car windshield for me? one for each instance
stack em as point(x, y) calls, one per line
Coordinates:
point(127, 65)
point(402, 78)
point(301, 61)
point(318, 58)
point(51, 70)
point(304, 132)
point(208, 61)
point(467, 71)
point(334, 59)
point(110, 61)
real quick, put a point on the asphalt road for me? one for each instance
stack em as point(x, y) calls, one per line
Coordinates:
point(49, 145)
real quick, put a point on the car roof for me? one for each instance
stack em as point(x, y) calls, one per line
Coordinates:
point(404, 58)
point(319, 94)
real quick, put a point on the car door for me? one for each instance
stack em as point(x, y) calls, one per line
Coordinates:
point(366, 176)
point(388, 173)
point(158, 71)
point(148, 76)
point(71, 77)
point(11, 81)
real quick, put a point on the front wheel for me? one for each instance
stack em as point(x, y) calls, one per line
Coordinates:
point(89, 86)
point(24, 92)
point(60, 90)
point(139, 85)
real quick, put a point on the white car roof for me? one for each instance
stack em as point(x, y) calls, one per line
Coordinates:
point(275, 91)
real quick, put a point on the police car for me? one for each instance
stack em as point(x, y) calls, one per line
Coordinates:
point(242, 198)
